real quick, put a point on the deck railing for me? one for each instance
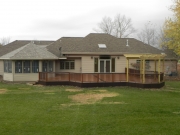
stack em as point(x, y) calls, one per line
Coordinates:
point(150, 77)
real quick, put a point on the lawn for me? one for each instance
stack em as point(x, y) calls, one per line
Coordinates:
point(65, 110)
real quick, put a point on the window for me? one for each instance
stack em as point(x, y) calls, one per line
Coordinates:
point(71, 65)
point(35, 66)
point(113, 65)
point(47, 66)
point(26, 66)
point(18, 66)
point(67, 65)
point(147, 64)
point(95, 64)
point(8, 66)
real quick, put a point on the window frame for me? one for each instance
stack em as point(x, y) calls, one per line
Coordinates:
point(47, 66)
point(34, 66)
point(67, 65)
point(27, 66)
point(18, 66)
point(7, 66)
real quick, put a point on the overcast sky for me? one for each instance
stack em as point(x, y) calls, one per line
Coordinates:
point(52, 19)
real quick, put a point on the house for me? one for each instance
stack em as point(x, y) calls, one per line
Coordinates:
point(94, 53)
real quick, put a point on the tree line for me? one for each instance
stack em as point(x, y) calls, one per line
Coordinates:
point(122, 27)
point(164, 37)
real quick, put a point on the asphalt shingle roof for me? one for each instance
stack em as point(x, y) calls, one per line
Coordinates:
point(30, 51)
point(19, 43)
point(27, 49)
point(89, 44)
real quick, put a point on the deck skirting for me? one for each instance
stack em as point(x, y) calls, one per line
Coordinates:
point(104, 84)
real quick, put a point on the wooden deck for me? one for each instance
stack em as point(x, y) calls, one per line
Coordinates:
point(101, 79)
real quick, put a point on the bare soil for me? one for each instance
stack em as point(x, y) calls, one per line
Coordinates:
point(3, 91)
point(91, 97)
point(74, 90)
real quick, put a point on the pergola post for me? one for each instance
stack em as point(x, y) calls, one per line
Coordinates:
point(155, 69)
point(127, 72)
point(143, 71)
point(163, 70)
point(159, 66)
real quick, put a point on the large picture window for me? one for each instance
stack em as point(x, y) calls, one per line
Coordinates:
point(67, 65)
point(47, 66)
point(8, 66)
point(35, 66)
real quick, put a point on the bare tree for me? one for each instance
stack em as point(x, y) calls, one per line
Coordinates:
point(120, 27)
point(149, 35)
point(123, 26)
point(106, 25)
point(5, 41)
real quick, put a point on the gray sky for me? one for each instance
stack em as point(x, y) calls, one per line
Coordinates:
point(52, 19)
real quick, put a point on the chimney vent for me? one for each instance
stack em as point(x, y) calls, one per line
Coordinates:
point(127, 44)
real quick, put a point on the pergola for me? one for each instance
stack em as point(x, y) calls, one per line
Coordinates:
point(157, 58)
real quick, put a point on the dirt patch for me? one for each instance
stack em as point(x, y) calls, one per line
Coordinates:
point(100, 91)
point(50, 93)
point(3, 91)
point(74, 90)
point(176, 112)
point(113, 103)
point(23, 88)
point(88, 98)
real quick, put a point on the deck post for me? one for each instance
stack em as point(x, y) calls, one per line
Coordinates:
point(39, 76)
point(112, 77)
point(46, 76)
point(98, 78)
point(69, 77)
point(81, 78)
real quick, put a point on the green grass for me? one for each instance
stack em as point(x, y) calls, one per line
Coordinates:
point(35, 110)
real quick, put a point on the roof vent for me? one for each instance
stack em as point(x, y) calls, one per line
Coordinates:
point(127, 43)
point(102, 46)
point(60, 52)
